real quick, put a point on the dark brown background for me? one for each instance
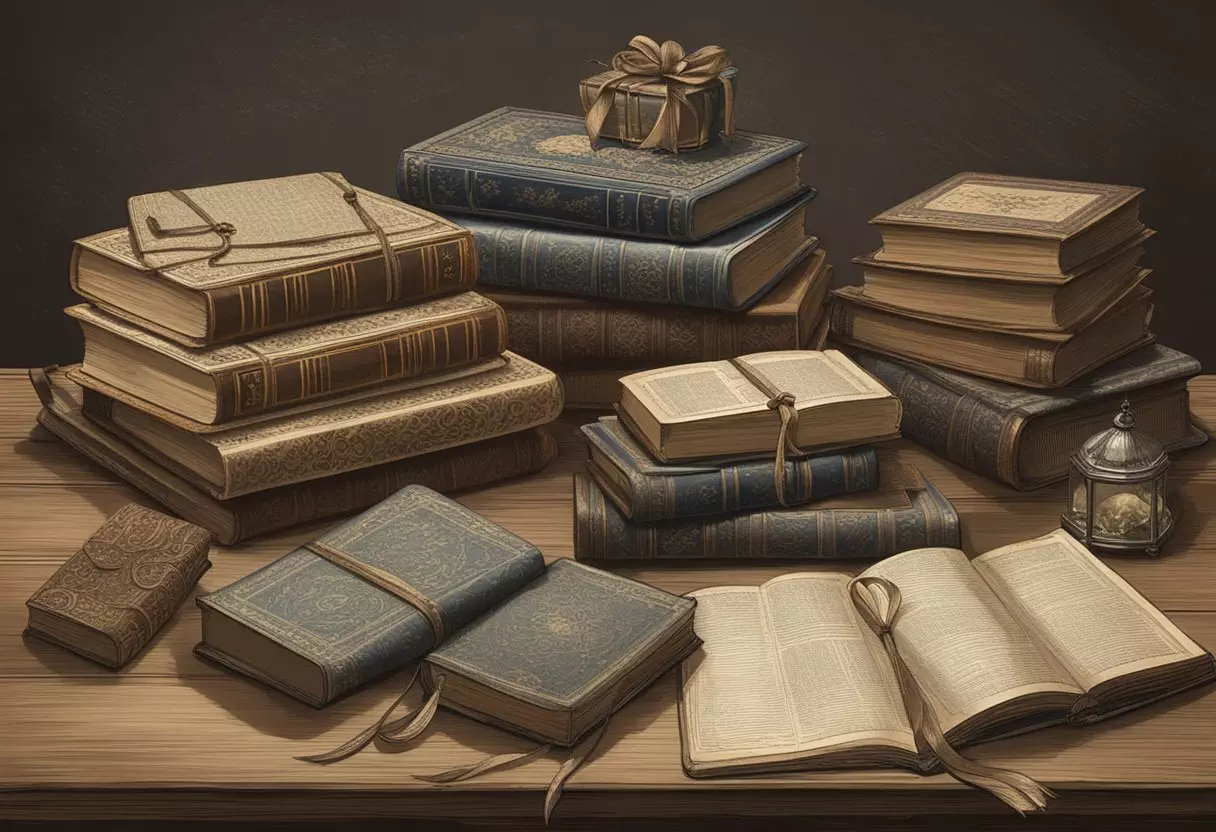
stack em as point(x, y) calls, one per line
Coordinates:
point(107, 100)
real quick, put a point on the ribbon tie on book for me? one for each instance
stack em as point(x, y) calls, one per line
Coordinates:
point(877, 600)
point(648, 62)
point(785, 405)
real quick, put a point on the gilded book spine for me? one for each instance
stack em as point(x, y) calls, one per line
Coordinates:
point(277, 383)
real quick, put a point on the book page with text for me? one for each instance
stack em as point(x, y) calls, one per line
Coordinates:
point(815, 378)
point(694, 391)
point(1094, 622)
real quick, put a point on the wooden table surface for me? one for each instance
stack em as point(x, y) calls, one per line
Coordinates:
point(173, 737)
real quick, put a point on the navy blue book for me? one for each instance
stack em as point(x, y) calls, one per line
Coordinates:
point(539, 167)
point(730, 272)
point(646, 490)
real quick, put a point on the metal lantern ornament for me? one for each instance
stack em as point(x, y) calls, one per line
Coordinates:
point(1117, 490)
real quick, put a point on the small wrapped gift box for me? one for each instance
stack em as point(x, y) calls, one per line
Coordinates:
point(656, 96)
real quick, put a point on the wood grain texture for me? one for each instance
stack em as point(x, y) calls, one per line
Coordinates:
point(172, 736)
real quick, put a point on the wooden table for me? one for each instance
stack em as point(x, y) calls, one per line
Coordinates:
point(172, 737)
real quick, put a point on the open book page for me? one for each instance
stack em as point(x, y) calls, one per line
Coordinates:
point(785, 670)
point(694, 391)
point(815, 378)
point(1096, 624)
point(965, 649)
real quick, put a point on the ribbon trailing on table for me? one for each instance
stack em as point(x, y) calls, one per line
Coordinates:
point(785, 404)
point(878, 600)
point(647, 62)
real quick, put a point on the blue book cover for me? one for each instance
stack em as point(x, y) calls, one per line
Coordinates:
point(317, 631)
point(566, 261)
point(538, 166)
point(645, 490)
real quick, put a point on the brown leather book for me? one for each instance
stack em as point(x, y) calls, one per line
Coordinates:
point(268, 255)
point(282, 370)
point(239, 519)
point(1028, 359)
point(576, 333)
point(111, 597)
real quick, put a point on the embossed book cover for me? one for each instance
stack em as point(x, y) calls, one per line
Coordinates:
point(539, 166)
point(318, 622)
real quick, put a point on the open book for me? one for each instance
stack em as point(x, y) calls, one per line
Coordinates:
point(1040, 632)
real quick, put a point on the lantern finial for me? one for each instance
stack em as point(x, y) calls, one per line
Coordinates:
point(1125, 419)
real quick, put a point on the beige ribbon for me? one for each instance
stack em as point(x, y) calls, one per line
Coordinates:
point(648, 62)
point(785, 405)
point(878, 600)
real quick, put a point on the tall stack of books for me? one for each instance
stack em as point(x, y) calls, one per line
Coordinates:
point(1010, 316)
point(260, 354)
point(613, 260)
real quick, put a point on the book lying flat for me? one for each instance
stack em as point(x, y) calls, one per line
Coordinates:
point(540, 167)
point(282, 370)
point(262, 512)
point(1039, 359)
point(721, 408)
point(790, 676)
point(1024, 437)
point(298, 252)
point(510, 394)
point(730, 271)
point(1009, 224)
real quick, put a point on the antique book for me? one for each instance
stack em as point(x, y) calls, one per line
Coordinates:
point(988, 222)
point(1025, 437)
point(510, 395)
point(540, 167)
point(1030, 359)
point(1001, 301)
point(333, 613)
point(281, 370)
point(731, 271)
point(108, 600)
point(267, 255)
point(722, 408)
point(645, 490)
point(792, 677)
point(572, 332)
point(236, 520)
point(905, 512)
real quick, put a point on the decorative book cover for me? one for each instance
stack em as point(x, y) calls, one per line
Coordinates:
point(521, 256)
point(111, 597)
point(290, 368)
point(236, 520)
point(538, 166)
point(645, 490)
point(352, 630)
point(828, 531)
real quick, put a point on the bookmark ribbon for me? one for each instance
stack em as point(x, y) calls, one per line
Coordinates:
point(878, 600)
point(786, 406)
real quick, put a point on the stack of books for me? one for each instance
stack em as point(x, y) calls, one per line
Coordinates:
point(260, 354)
point(1011, 317)
point(612, 260)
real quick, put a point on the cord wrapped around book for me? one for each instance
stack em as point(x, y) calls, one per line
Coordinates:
point(783, 402)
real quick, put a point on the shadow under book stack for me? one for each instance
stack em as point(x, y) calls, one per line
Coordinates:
point(1010, 317)
point(262, 354)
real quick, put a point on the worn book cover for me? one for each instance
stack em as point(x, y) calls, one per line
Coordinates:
point(317, 630)
point(540, 167)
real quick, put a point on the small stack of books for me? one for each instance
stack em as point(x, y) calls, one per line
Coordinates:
point(614, 260)
point(260, 354)
point(1023, 283)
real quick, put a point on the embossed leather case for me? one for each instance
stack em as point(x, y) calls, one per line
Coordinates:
point(111, 597)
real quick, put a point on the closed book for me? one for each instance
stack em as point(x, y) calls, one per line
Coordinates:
point(318, 622)
point(645, 490)
point(213, 385)
point(731, 271)
point(1024, 437)
point(906, 512)
point(509, 395)
point(262, 512)
point(1030, 359)
point(294, 250)
point(539, 167)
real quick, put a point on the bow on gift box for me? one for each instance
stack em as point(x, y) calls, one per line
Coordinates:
point(648, 62)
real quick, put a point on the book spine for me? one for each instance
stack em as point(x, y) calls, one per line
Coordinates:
point(363, 285)
point(449, 184)
point(603, 534)
point(274, 384)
